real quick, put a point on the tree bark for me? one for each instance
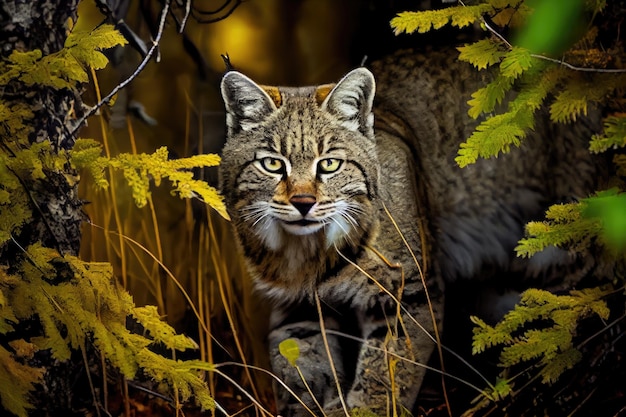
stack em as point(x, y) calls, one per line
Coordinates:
point(25, 26)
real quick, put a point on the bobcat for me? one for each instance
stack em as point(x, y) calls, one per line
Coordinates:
point(351, 215)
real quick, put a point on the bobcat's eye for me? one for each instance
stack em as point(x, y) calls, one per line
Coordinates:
point(329, 165)
point(273, 165)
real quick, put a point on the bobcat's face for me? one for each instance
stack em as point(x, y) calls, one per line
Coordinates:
point(306, 167)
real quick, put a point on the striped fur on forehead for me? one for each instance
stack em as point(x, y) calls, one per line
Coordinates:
point(301, 127)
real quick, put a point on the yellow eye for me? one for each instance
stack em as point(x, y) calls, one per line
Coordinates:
point(329, 165)
point(273, 165)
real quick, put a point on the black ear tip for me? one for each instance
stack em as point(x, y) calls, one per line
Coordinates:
point(229, 66)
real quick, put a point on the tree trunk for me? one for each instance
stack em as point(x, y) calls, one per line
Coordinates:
point(28, 25)
point(43, 24)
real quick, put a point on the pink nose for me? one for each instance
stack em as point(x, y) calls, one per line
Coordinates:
point(303, 202)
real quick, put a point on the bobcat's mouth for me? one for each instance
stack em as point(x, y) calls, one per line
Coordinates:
point(302, 222)
point(302, 226)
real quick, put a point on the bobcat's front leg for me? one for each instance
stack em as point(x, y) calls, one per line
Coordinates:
point(389, 370)
point(312, 364)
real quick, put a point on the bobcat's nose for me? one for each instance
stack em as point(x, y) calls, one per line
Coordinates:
point(303, 202)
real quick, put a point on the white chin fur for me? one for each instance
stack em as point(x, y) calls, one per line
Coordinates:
point(300, 230)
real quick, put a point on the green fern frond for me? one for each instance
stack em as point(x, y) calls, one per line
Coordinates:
point(515, 62)
point(17, 381)
point(13, 121)
point(141, 169)
point(570, 103)
point(486, 336)
point(66, 67)
point(501, 389)
point(482, 54)
point(87, 154)
point(459, 16)
point(579, 91)
point(535, 344)
point(576, 225)
point(564, 226)
point(84, 46)
point(485, 99)
point(614, 135)
point(149, 318)
point(7, 316)
point(552, 368)
point(88, 302)
point(537, 84)
point(14, 206)
point(495, 135)
point(551, 346)
point(183, 376)
point(498, 133)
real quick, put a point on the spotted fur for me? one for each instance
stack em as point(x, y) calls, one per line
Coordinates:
point(351, 206)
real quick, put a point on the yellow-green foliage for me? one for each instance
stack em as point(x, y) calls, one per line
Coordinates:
point(552, 346)
point(73, 300)
point(76, 301)
point(596, 220)
point(140, 169)
point(66, 67)
point(526, 73)
point(534, 77)
point(17, 376)
point(564, 226)
point(409, 22)
point(614, 134)
point(13, 120)
point(31, 163)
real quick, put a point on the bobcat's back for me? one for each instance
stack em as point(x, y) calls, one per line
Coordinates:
point(477, 212)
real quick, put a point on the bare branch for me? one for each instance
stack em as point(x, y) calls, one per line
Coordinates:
point(546, 58)
point(140, 67)
point(228, 5)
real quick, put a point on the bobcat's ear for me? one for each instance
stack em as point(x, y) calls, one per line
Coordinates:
point(247, 104)
point(351, 101)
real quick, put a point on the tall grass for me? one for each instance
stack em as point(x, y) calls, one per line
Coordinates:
point(180, 256)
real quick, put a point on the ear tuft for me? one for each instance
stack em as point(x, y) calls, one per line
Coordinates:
point(247, 104)
point(352, 99)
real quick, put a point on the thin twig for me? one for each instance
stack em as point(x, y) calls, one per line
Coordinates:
point(428, 300)
point(265, 371)
point(413, 319)
point(331, 361)
point(401, 358)
point(575, 68)
point(140, 68)
point(599, 332)
point(553, 60)
point(186, 16)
